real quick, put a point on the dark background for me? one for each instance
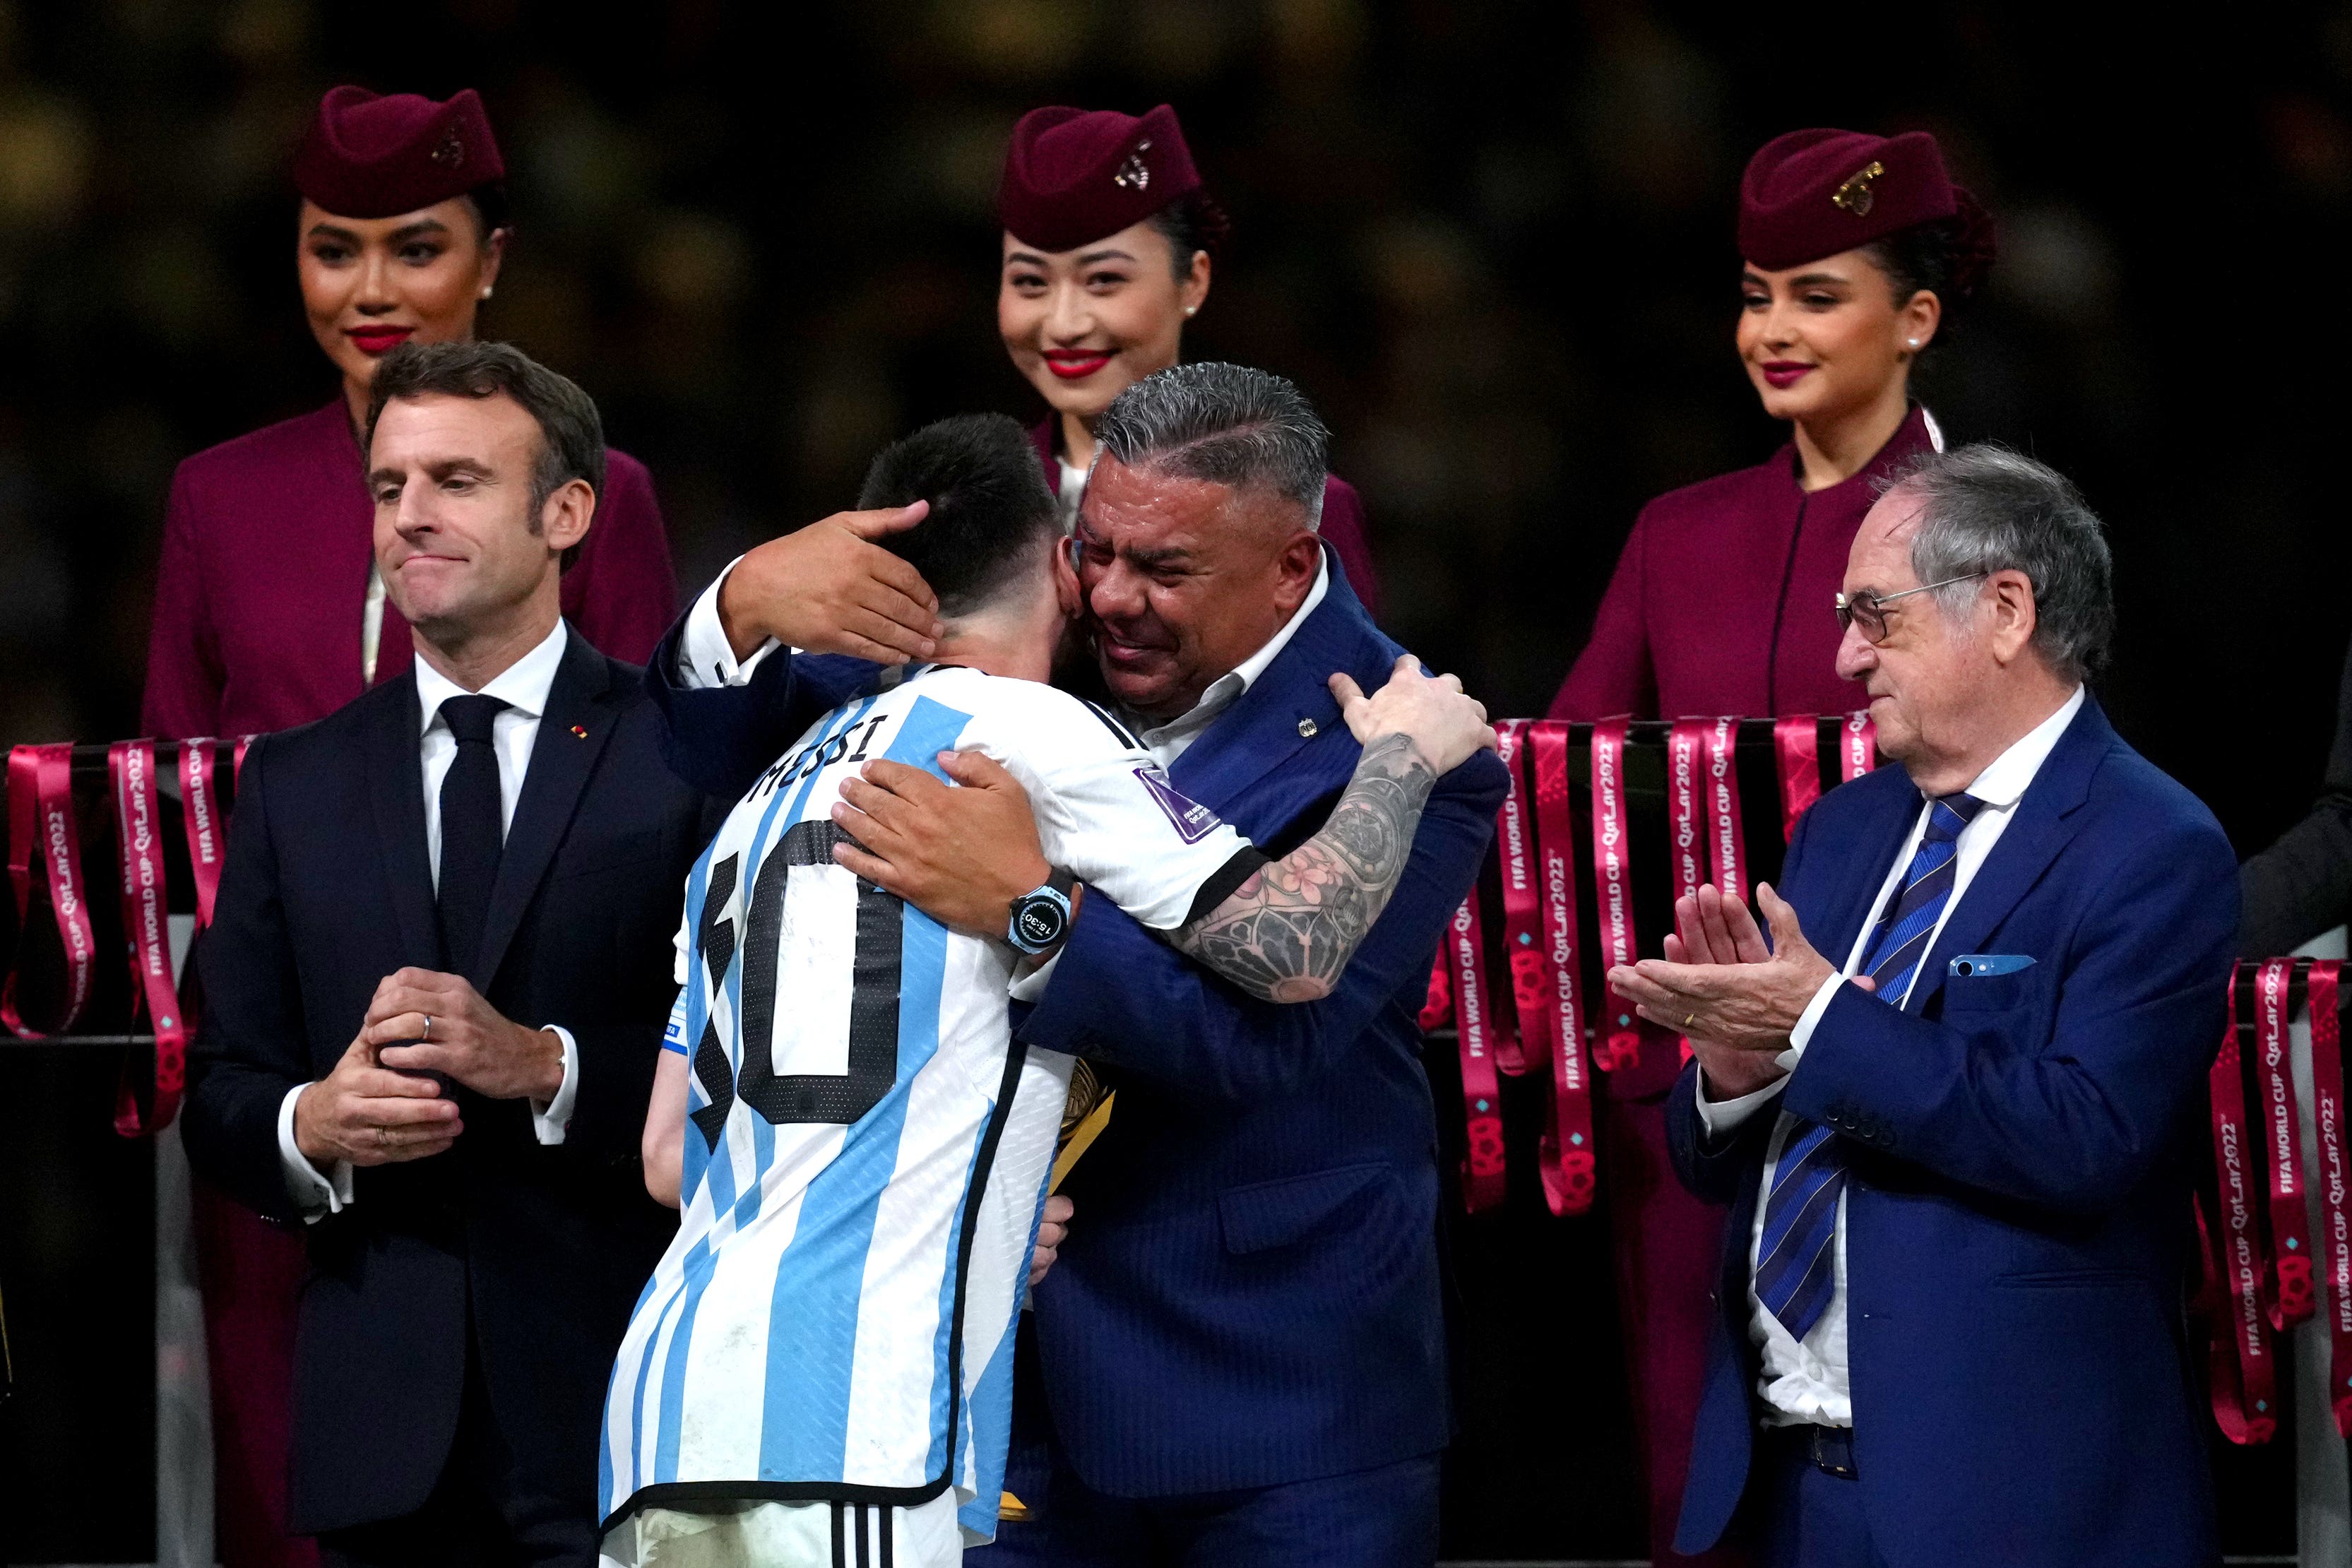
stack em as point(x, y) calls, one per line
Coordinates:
point(1492, 241)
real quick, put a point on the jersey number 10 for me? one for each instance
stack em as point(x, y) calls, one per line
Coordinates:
point(784, 1099)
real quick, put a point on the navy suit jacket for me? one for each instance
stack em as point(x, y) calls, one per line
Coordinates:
point(2021, 1149)
point(1251, 1295)
point(542, 1248)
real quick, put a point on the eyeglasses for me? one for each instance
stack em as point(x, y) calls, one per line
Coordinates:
point(1868, 610)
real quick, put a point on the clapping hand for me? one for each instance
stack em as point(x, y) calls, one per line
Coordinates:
point(1735, 998)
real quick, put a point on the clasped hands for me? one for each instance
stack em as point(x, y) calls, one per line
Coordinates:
point(1721, 986)
point(375, 1108)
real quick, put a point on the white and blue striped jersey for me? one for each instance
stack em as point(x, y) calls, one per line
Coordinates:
point(865, 1149)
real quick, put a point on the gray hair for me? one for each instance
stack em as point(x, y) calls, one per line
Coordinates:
point(1985, 509)
point(1225, 424)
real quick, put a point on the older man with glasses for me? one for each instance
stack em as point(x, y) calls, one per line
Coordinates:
point(1958, 1154)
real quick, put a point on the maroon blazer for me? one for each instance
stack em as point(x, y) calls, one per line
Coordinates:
point(265, 572)
point(1342, 525)
point(1722, 601)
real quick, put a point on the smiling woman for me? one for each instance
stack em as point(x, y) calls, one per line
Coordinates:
point(1858, 252)
point(270, 613)
point(1109, 242)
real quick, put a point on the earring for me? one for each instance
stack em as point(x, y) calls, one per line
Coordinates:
point(485, 294)
point(1191, 310)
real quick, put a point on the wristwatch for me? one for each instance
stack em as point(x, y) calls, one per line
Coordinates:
point(1040, 917)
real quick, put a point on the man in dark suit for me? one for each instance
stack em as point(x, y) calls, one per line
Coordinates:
point(1958, 1155)
point(1241, 1349)
point(436, 992)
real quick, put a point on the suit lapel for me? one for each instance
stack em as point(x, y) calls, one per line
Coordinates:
point(2041, 828)
point(396, 796)
point(561, 762)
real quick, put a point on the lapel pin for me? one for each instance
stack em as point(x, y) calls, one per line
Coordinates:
point(581, 730)
point(1307, 729)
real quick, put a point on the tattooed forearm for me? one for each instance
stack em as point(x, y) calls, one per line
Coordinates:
point(1287, 933)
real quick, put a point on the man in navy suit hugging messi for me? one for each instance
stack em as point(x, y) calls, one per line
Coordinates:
point(1239, 1358)
point(1952, 1104)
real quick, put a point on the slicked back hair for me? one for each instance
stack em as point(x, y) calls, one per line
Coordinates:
point(1985, 509)
point(1225, 424)
point(990, 510)
point(571, 433)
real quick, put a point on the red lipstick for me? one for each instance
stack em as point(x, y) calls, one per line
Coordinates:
point(1076, 364)
point(1783, 374)
point(376, 342)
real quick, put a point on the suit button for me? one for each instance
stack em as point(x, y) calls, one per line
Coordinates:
point(1307, 729)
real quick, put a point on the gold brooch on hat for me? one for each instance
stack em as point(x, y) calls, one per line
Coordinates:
point(450, 152)
point(1133, 174)
point(1855, 196)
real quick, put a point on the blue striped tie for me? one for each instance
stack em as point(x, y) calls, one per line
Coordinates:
point(1794, 1267)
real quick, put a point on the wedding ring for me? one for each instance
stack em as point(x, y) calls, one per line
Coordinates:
point(1689, 1019)
point(384, 1136)
point(428, 1028)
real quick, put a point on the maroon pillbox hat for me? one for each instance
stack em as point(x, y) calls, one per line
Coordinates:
point(1073, 174)
point(1813, 193)
point(371, 156)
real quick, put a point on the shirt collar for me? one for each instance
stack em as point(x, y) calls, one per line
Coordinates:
point(2004, 782)
point(1227, 689)
point(522, 685)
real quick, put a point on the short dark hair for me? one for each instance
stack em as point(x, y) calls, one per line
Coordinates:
point(990, 507)
point(570, 435)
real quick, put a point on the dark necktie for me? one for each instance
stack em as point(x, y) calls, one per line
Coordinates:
point(473, 832)
point(1796, 1269)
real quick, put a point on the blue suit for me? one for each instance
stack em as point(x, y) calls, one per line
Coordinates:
point(2018, 1229)
point(1251, 1296)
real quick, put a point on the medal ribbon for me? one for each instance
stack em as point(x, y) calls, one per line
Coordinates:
point(42, 826)
point(1685, 784)
point(2287, 1269)
point(1796, 743)
point(1566, 1149)
point(1520, 1049)
point(1729, 841)
point(2244, 1375)
point(200, 817)
point(1857, 746)
point(1482, 1107)
point(2335, 1179)
point(146, 927)
point(1613, 886)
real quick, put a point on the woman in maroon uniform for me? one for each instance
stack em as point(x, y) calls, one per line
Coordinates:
point(1109, 239)
point(268, 614)
point(1858, 251)
point(268, 611)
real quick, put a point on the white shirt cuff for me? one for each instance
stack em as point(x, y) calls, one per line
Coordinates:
point(1720, 1116)
point(552, 1119)
point(316, 1196)
point(1808, 1021)
point(1030, 986)
point(705, 657)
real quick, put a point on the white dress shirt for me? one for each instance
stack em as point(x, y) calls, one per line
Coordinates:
point(523, 686)
point(1808, 1380)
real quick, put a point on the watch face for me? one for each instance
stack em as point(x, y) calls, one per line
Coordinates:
point(1039, 921)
